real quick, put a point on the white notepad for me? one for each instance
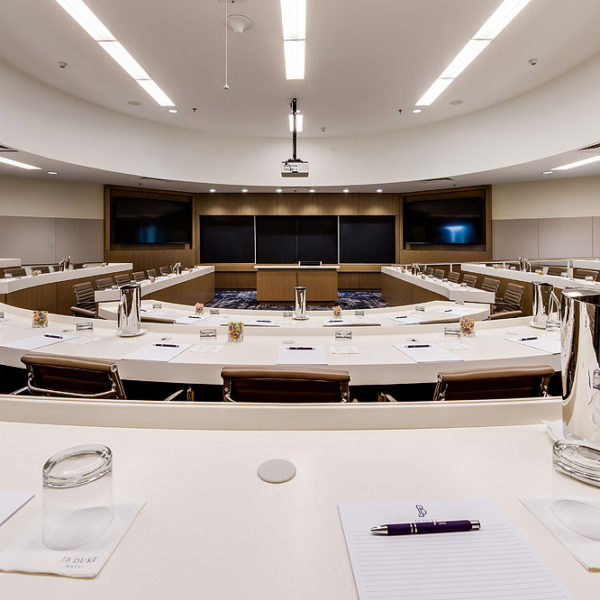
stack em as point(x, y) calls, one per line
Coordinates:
point(309, 355)
point(190, 319)
point(537, 342)
point(262, 323)
point(160, 351)
point(494, 562)
point(405, 319)
point(38, 341)
point(423, 352)
point(11, 502)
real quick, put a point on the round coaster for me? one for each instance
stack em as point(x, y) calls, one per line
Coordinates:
point(276, 470)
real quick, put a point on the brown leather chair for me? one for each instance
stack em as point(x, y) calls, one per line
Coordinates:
point(104, 283)
point(518, 382)
point(439, 273)
point(510, 304)
point(65, 377)
point(15, 272)
point(85, 302)
point(470, 280)
point(428, 270)
point(139, 276)
point(165, 270)
point(453, 276)
point(40, 268)
point(285, 384)
point(151, 273)
point(122, 279)
point(490, 285)
point(583, 273)
point(556, 271)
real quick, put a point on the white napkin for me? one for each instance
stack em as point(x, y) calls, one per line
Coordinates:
point(11, 502)
point(555, 430)
point(28, 553)
point(585, 550)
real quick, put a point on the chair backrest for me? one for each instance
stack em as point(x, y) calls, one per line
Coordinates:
point(151, 273)
point(453, 276)
point(164, 270)
point(104, 283)
point(470, 280)
point(513, 296)
point(72, 377)
point(519, 382)
point(40, 268)
point(15, 272)
point(556, 271)
point(122, 279)
point(439, 273)
point(428, 270)
point(84, 295)
point(139, 276)
point(586, 273)
point(284, 384)
point(490, 285)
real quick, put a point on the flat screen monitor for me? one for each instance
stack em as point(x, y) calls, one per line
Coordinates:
point(151, 221)
point(448, 221)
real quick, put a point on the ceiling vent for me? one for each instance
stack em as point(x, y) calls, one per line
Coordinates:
point(6, 149)
point(436, 180)
point(592, 148)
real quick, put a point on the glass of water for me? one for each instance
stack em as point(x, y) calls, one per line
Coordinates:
point(85, 329)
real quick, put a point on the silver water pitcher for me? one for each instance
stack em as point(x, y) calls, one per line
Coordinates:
point(129, 309)
point(300, 303)
point(580, 342)
point(545, 305)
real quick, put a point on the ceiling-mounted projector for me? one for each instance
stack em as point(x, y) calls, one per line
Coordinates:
point(294, 168)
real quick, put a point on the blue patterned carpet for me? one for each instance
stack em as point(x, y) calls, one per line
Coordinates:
point(347, 300)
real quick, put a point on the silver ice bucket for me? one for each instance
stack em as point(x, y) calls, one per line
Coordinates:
point(128, 317)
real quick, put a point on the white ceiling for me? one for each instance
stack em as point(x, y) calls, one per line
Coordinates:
point(365, 59)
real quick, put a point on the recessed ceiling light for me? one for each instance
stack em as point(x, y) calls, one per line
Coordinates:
point(579, 163)
point(173, 111)
point(345, 190)
point(16, 163)
point(119, 54)
point(379, 190)
point(293, 22)
point(212, 190)
point(500, 18)
point(87, 19)
point(279, 190)
point(417, 110)
point(471, 50)
point(52, 172)
point(436, 88)
point(244, 190)
point(546, 172)
point(312, 191)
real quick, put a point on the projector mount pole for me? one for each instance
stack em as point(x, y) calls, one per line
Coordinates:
point(294, 107)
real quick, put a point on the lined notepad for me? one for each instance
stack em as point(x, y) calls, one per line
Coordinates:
point(426, 352)
point(38, 341)
point(494, 562)
point(538, 342)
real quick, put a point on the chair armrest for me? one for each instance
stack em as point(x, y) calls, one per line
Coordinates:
point(385, 397)
point(506, 314)
point(83, 312)
point(173, 395)
point(19, 391)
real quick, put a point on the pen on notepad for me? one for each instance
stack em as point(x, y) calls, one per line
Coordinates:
point(527, 339)
point(418, 346)
point(58, 337)
point(167, 345)
point(300, 348)
point(426, 527)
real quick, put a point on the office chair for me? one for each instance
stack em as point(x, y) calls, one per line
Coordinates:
point(490, 285)
point(104, 283)
point(470, 280)
point(15, 272)
point(85, 301)
point(556, 271)
point(63, 377)
point(510, 305)
point(285, 384)
point(165, 270)
point(123, 279)
point(439, 273)
point(453, 276)
point(428, 270)
point(151, 273)
point(139, 276)
point(583, 273)
point(40, 268)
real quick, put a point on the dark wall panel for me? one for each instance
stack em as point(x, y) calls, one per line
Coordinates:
point(316, 239)
point(225, 239)
point(276, 240)
point(367, 239)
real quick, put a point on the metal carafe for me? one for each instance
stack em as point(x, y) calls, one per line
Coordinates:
point(580, 342)
point(545, 305)
point(129, 309)
point(524, 264)
point(176, 268)
point(300, 303)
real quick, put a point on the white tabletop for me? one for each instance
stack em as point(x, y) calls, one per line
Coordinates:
point(161, 282)
point(296, 267)
point(15, 284)
point(587, 263)
point(377, 362)
point(10, 262)
point(452, 291)
point(212, 529)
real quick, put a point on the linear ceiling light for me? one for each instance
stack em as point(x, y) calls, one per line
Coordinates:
point(100, 33)
point(501, 17)
point(293, 22)
point(579, 163)
point(299, 122)
point(16, 163)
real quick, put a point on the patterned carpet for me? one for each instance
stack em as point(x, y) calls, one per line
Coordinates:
point(347, 300)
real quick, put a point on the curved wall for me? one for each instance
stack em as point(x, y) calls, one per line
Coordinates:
point(557, 117)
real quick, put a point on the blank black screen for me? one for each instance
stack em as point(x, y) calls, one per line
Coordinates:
point(446, 221)
point(316, 239)
point(368, 239)
point(226, 239)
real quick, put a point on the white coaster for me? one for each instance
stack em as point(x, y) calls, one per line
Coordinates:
point(276, 470)
point(28, 554)
point(11, 502)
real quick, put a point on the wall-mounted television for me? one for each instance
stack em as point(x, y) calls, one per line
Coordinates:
point(137, 220)
point(446, 221)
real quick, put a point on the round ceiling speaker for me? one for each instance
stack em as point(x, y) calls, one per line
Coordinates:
point(238, 23)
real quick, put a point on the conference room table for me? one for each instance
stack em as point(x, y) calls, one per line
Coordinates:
point(6, 263)
point(196, 284)
point(211, 528)
point(376, 362)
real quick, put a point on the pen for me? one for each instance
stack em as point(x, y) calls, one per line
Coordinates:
point(167, 345)
point(527, 339)
point(418, 346)
point(400, 317)
point(426, 527)
point(300, 348)
point(193, 317)
point(263, 320)
point(58, 337)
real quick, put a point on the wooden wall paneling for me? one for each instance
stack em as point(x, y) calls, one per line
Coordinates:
point(359, 281)
point(275, 285)
point(296, 204)
point(321, 286)
point(378, 204)
point(152, 258)
point(217, 204)
point(41, 297)
point(337, 204)
point(397, 292)
point(226, 280)
point(246, 280)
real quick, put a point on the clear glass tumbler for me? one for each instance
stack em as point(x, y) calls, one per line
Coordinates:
point(77, 496)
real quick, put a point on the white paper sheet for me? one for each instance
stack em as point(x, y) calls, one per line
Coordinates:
point(405, 319)
point(158, 352)
point(456, 312)
point(423, 352)
point(343, 349)
point(494, 562)
point(538, 342)
point(11, 502)
point(262, 323)
point(206, 348)
point(315, 356)
point(38, 341)
point(190, 319)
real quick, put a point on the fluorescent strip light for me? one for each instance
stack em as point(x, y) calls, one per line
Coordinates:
point(16, 163)
point(294, 58)
point(87, 19)
point(472, 49)
point(124, 59)
point(501, 17)
point(437, 87)
point(579, 163)
point(299, 122)
point(157, 94)
point(293, 19)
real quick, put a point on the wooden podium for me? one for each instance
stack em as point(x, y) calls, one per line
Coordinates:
point(276, 283)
